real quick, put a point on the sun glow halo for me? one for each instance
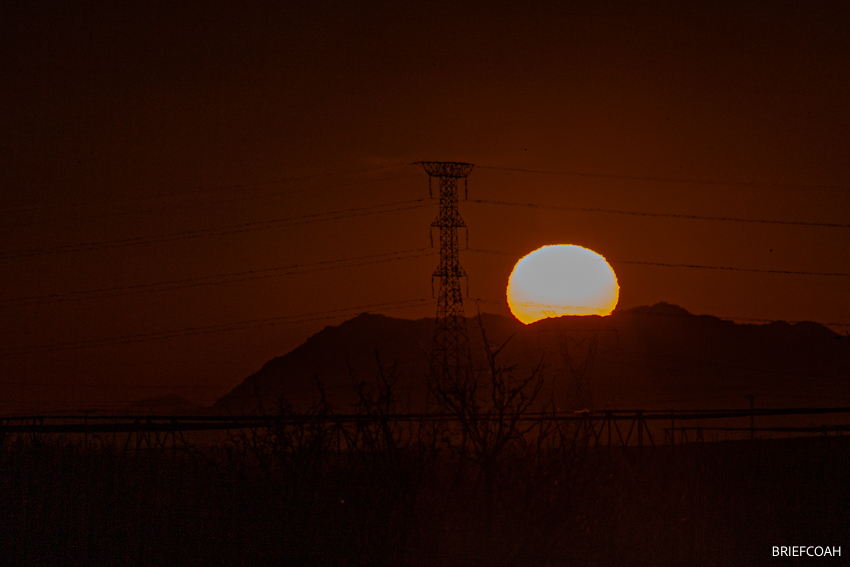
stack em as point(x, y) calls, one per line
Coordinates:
point(559, 280)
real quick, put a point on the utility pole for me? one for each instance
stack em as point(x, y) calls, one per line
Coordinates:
point(450, 354)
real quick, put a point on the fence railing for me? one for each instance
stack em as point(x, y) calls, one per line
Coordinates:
point(603, 426)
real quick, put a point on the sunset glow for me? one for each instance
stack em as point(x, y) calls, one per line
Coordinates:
point(559, 280)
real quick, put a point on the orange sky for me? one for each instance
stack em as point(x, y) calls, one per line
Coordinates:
point(113, 117)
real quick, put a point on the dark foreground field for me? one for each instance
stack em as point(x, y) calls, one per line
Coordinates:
point(249, 502)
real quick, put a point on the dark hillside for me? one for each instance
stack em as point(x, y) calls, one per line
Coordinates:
point(652, 357)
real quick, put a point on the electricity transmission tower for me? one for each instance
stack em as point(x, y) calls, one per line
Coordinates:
point(450, 355)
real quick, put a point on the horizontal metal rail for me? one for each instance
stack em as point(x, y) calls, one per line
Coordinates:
point(815, 429)
point(153, 423)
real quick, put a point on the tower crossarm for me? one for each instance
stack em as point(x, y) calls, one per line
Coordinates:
point(447, 168)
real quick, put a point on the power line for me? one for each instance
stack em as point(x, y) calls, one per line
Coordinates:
point(498, 252)
point(729, 268)
point(219, 279)
point(199, 190)
point(797, 186)
point(692, 266)
point(211, 189)
point(215, 329)
point(224, 230)
point(657, 215)
point(217, 202)
point(362, 211)
point(295, 269)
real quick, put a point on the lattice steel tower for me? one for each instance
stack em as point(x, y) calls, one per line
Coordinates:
point(450, 355)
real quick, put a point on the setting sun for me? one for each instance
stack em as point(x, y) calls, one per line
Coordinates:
point(559, 280)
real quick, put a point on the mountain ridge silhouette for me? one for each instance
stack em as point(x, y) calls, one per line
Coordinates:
point(654, 357)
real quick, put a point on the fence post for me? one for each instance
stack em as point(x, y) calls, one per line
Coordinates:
point(672, 427)
point(752, 399)
point(639, 420)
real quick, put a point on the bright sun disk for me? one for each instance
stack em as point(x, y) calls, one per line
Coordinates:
point(559, 280)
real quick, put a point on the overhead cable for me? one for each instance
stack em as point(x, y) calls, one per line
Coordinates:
point(690, 181)
point(223, 230)
point(219, 279)
point(692, 266)
point(211, 189)
point(658, 215)
point(196, 204)
point(733, 269)
point(220, 328)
